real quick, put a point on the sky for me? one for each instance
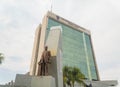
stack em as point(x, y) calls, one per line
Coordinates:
point(19, 19)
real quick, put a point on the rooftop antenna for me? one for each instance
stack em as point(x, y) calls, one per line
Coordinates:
point(51, 5)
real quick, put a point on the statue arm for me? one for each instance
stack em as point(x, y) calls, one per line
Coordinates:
point(49, 55)
point(41, 59)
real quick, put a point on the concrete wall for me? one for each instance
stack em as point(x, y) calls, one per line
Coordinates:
point(54, 44)
point(34, 81)
point(35, 50)
point(42, 41)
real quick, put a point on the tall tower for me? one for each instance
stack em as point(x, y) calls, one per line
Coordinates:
point(76, 42)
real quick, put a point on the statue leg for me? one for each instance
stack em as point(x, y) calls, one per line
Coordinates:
point(41, 71)
point(46, 68)
point(39, 67)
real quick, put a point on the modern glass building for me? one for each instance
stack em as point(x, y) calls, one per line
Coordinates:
point(76, 46)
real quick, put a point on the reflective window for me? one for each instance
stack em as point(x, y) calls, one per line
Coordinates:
point(73, 45)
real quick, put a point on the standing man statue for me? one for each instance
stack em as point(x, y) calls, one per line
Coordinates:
point(43, 63)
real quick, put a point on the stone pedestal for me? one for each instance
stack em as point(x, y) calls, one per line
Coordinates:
point(34, 81)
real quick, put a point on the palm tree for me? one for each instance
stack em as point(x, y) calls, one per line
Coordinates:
point(1, 58)
point(72, 75)
point(77, 76)
point(66, 76)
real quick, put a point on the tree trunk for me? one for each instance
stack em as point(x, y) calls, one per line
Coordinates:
point(64, 85)
point(73, 84)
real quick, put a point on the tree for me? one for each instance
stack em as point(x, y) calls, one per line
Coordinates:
point(72, 75)
point(65, 75)
point(1, 58)
point(77, 76)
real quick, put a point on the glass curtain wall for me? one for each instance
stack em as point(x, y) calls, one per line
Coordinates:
point(77, 50)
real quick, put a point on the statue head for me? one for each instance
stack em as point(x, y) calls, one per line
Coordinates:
point(46, 47)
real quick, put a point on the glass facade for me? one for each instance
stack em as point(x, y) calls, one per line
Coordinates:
point(77, 50)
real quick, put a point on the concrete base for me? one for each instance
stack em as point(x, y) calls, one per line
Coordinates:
point(34, 81)
point(106, 83)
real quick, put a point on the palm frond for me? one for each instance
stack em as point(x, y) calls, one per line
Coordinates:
point(72, 75)
point(1, 57)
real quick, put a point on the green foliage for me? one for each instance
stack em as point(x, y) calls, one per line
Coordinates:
point(1, 57)
point(72, 75)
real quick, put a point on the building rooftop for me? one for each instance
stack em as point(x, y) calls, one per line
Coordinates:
point(66, 22)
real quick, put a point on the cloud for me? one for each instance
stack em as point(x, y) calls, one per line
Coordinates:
point(18, 21)
point(111, 74)
point(102, 18)
point(19, 18)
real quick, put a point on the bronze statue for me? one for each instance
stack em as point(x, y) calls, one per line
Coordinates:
point(43, 63)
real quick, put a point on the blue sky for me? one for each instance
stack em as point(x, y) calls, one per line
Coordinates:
point(19, 19)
